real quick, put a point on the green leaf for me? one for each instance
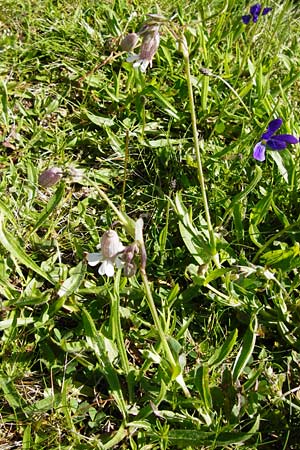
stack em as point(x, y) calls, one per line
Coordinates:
point(202, 383)
point(195, 240)
point(26, 441)
point(237, 199)
point(162, 101)
point(246, 350)
point(20, 322)
point(258, 213)
point(101, 121)
point(50, 207)
point(6, 211)
point(10, 393)
point(284, 163)
point(97, 343)
point(196, 439)
point(13, 247)
point(284, 259)
point(71, 284)
point(221, 353)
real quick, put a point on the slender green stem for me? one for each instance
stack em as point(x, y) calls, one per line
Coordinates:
point(117, 333)
point(126, 221)
point(197, 147)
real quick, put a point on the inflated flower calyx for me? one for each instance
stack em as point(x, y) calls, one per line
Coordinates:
point(50, 177)
point(129, 42)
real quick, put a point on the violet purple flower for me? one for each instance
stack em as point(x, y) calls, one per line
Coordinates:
point(278, 142)
point(255, 11)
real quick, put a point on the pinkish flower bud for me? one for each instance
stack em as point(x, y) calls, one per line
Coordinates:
point(50, 177)
point(129, 42)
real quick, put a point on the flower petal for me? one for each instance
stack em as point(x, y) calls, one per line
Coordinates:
point(94, 258)
point(273, 126)
point(132, 57)
point(255, 11)
point(119, 262)
point(288, 138)
point(266, 11)
point(145, 63)
point(259, 152)
point(276, 144)
point(107, 268)
point(246, 19)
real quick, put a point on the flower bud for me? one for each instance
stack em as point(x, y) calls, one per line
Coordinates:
point(129, 269)
point(50, 177)
point(129, 42)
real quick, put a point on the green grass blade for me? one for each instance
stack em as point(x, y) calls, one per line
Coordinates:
point(13, 247)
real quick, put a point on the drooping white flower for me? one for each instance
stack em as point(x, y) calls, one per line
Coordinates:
point(110, 255)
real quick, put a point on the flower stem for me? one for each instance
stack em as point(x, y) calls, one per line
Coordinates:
point(200, 174)
point(116, 328)
point(126, 221)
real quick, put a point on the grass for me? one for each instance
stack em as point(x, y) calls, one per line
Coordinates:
point(199, 349)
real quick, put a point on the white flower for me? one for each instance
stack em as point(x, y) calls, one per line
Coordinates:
point(110, 255)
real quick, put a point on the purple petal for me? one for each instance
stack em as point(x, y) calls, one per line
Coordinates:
point(259, 152)
point(255, 11)
point(276, 144)
point(273, 126)
point(266, 11)
point(288, 138)
point(246, 19)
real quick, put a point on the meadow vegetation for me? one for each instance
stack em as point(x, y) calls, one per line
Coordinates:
point(199, 347)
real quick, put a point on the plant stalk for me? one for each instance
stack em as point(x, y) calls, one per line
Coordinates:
point(186, 58)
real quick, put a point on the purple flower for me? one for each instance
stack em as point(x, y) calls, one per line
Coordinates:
point(268, 139)
point(255, 11)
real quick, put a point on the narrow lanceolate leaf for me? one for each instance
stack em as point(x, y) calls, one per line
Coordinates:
point(14, 248)
point(6, 211)
point(221, 353)
point(101, 121)
point(195, 239)
point(196, 438)
point(71, 284)
point(239, 197)
point(96, 341)
point(10, 393)
point(202, 383)
point(246, 350)
point(50, 207)
point(26, 442)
